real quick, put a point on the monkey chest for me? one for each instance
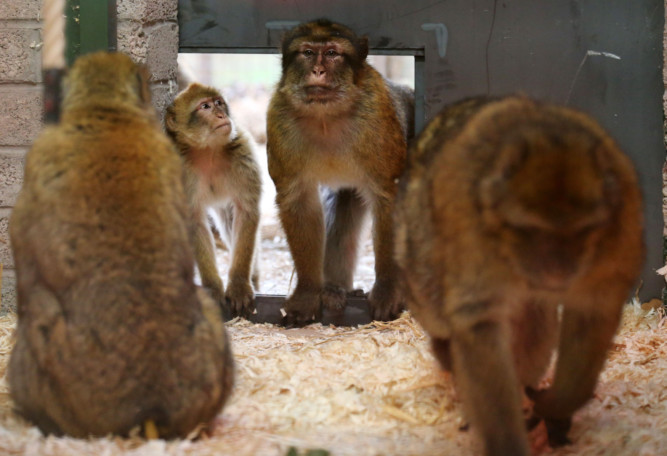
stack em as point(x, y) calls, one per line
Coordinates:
point(213, 177)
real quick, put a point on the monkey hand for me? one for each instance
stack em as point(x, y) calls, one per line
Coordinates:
point(303, 307)
point(385, 301)
point(333, 298)
point(239, 298)
point(557, 427)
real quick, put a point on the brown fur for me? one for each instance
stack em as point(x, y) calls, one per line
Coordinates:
point(334, 121)
point(509, 208)
point(112, 331)
point(222, 174)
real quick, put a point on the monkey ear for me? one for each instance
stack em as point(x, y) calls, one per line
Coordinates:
point(363, 48)
point(170, 120)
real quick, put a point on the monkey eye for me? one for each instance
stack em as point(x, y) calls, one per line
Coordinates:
point(205, 105)
point(218, 102)
point(309, 53)
point(331, 53)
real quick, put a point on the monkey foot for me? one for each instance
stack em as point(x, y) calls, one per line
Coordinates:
point(303, 307)
point(240, 300)
point(333, 298)
point(385, 302)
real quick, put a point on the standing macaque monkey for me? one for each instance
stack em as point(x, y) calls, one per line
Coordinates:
point(508, 209)
point(222, 173)
point(112, 332)
point(335, 122)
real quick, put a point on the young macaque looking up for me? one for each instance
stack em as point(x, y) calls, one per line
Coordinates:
point(335, 123)
point(508, 209)
point(221, 173)
point(112, 332)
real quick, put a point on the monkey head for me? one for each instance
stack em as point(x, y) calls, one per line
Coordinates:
point(122, 79)
point(548, 208)
point(204, 113)
point(321, 61)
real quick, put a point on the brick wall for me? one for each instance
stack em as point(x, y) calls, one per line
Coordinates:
point(664, 103)
point(20, 114)
point(147, 31)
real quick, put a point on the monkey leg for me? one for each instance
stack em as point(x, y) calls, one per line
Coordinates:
point(534, 326)
point(344, 213)
point(484, 374)
point(300, 212)
point(254, 271)
point(385, 300)
point(443, 353)
point(586, 333)
point(41, 338)
point(240, 296)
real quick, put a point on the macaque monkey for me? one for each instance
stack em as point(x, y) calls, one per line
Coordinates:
point(508, 209)
point(335, 123)
point(112, 332)
point(222, 174)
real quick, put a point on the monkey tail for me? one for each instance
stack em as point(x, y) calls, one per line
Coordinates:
point(150, 430)
point(154, 423)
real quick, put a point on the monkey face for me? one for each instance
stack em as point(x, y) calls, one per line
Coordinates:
point(320, 62)
point(200, 118)
point(212, 113)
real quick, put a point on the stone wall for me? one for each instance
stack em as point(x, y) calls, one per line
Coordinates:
point(147, 31)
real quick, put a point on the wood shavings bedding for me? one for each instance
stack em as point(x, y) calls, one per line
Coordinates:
point(376, 390)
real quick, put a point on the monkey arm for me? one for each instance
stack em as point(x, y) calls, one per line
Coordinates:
point(240, 294)
point(205, 256)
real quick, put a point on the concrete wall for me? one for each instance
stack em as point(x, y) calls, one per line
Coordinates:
point(147, 31)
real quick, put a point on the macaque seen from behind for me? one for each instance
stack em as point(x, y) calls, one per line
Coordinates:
point(335, 123)
point(221, 173)
point(508, 209)
point(112, 332)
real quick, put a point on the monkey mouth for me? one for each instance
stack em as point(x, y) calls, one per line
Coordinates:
point(320, 93)
point(225, 123)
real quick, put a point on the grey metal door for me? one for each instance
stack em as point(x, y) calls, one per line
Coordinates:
point(601, 56)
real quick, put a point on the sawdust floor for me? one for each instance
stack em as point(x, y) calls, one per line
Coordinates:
point(374, 390)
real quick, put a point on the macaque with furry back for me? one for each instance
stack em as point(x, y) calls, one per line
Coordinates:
point(508, 209)
point(335, 122)
point(221, 174)
point(112, 332)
